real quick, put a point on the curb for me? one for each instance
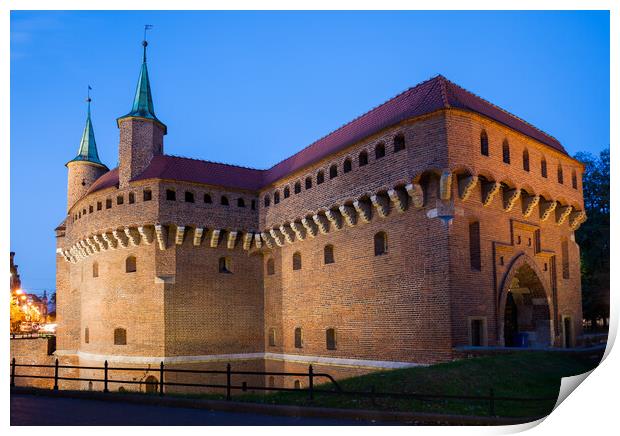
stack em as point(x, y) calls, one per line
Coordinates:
point(282, 410)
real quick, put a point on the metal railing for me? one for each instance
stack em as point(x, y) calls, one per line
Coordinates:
point(311, 376)
point(31, 335)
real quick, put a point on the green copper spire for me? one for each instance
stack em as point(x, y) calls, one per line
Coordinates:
point(143, 100)
point(88, 146)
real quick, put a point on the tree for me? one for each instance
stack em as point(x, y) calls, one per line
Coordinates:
point(593, 236)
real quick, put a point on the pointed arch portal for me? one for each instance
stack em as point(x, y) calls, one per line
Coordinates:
point(524, 309)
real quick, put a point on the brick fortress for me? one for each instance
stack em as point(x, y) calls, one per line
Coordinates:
point(433, 222)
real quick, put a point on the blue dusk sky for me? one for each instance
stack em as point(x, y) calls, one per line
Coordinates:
point(251, 88)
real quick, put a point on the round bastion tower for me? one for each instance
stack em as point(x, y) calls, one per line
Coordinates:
point(86, 167)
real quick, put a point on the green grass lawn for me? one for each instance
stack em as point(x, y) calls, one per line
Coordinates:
point(523, 374)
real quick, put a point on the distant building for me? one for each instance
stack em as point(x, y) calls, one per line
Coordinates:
point(15, 280)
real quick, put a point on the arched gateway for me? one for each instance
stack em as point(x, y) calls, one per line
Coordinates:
point(524, 307)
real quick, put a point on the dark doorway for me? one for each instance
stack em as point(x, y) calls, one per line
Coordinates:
point(150, 385)
point(568, 332)
point(510, 322)
point(527, 320)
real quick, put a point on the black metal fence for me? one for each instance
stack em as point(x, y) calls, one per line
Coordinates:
point(31, 335)
point(311, 390)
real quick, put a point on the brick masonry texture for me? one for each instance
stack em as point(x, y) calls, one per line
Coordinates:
point(413, 304)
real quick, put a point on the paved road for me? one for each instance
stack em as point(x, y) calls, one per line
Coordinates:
point(35, 410)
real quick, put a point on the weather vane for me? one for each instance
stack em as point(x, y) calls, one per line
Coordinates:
point(88, 99)
point(144, 43)
point(147, 27)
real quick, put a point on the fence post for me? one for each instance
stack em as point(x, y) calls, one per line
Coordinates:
point(56, 375)
point(228, 382)
point(492, 402)
point(161, 378)
point(105, 376)
point(310, 383)
point(13, 372)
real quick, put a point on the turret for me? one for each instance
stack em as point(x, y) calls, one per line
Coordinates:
point(141, 133)
point(86, 167)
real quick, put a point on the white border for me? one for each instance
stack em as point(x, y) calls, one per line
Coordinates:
point(591, 410)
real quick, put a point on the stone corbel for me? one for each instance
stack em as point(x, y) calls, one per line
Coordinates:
point(232, 240)
point(162, 236)
point(178, 239)
point(322, 223)
point(489, 191)
point(133, 236)
point(445, 185)
point(349, 214)
point(562, 213)
point(467, 186)
point(198, 232)
point(258, 242)
point(121, 238)
point(510, 197)
point(289, 235)
point(382, 205)
point(364, 209)
point(267, 238)
point(110, 240)
point(310, 226)
point(215, 238)
point(247, 240)
point(277, 237)
point(68, 256)
point(93, 245)
point(416, 193)
point(399, 199)
point(77, 252)
point(85, 248)
point(528, 204)
point(546, 207)
point(335, 218)
point(299, 229)
point(147, 234)
point(103, 245)
point(576, 218)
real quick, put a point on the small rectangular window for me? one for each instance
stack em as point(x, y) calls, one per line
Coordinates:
point(119, 199)
point(565, 261)
point(474, 246)
point(189, 197)
point(132, 198)
point(272, 337)
point(108, 203)
point(298, 337)
point(171, 195)
point(147, 195)
point(253, 205)
point(90, 209)
point(330, 339)
point(99, 205)
point(86, 336)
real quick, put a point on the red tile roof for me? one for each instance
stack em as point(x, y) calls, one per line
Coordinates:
point(108, 180)
point(427, 97)
point(200, 171)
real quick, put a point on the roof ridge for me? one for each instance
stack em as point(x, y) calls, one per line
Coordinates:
point(411, 88)
point(212, 162)
point(442, 83)
point(506, 112)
